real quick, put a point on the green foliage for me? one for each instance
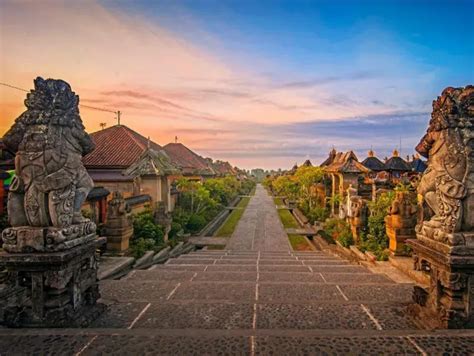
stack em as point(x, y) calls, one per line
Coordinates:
point(145, 228)
point(287, 186)
point(196, 223)
point(199, 202)
point(176, 228)
point(340, 230)
point(278, 201)
point(376, 240)
point(227, 229)
point(139, 246)
point(315, 213)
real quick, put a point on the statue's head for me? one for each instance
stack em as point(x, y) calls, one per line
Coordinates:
point(55, 100)
point(453, 109)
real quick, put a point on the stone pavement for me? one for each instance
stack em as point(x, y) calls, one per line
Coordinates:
point(259, 228)
point(248, 302)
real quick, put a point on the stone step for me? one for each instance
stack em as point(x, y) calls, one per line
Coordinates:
point(227, 316)
point(245, 290)
point(211, 342)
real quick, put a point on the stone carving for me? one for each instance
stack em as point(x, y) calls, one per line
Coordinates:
point(400, 222)
point(447, 184)
point(358, 216)
point(119, 226)
point(51, 182)
point(50, 248)
point(163, 218)
point(444, 247)
point(345, 208)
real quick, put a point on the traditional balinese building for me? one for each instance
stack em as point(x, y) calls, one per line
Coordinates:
point(330, 159)
point(221, 168)
point(156, 175)
point(307, 163)
point(191, 165)
point(396, 166)
point(119, 148)
point(374, 164)
point(344, 170)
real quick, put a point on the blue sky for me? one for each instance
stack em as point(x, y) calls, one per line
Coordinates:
point(259, 83)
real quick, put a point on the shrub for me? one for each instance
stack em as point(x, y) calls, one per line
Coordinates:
point(340, 230)
point(176, 228)
point(196, 222)
point(140, 246)
point(144, 227)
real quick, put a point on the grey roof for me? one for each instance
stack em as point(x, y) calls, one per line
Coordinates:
point(374, 164)
point(97, 193)
point(396, 163)
point(137, 199)
point(418, 165)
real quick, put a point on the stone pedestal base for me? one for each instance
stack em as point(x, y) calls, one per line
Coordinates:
point(47, 239)
point(118, 238)
point(60, 288)
point(397, 242)
point(449, 300)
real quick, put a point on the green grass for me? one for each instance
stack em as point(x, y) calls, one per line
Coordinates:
point(288, 220)
point(278, 201)
point(296, 241)
point(232, 220)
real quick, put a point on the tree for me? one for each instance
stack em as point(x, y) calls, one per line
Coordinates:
point(307, 177)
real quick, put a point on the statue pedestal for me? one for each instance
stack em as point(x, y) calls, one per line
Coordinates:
point(60, 288)
point(398, 237)
point(449, 300)
point(118, 238)
point(118, 232)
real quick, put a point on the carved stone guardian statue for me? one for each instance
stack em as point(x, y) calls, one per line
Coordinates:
point(444, 247)
point(51, 183)
point(50, 248)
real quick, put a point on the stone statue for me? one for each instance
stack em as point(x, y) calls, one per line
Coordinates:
point(444, 245)
point(119, 226)
point(50, 250)
point(400, 221)
point(447, 186)
point(51, 182)
point(359, 216)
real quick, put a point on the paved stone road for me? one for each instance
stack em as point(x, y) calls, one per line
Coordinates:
point(245, 302)
point(259, 228)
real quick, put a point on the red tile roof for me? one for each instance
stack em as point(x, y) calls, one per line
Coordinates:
point(188, 161)
point(117, 147)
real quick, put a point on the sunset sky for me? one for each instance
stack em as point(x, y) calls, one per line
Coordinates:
point(258, 83)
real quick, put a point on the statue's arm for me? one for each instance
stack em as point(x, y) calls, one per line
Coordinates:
point(83, 138)
point(14, 136)
point(423, 148)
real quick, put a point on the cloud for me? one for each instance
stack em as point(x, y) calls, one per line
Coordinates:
point(167, 85)
point(316, 82)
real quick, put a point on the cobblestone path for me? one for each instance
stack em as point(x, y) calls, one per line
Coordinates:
point(248, 302)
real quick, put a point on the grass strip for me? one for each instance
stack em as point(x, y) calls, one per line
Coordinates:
point(278, 201)
point(298, 242)
point(232, 220)
point(288, 220)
